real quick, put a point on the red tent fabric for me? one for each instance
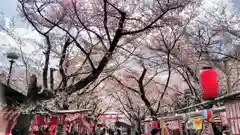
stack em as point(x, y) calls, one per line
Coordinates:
point(79, 120)
point(10, 115)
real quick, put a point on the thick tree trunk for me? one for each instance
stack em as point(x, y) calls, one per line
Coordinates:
point(139, 127)
point(52, 78)
point(46, 64)
point(32, 88)
point(23, 124)
point(102, 64)
point(61, 62)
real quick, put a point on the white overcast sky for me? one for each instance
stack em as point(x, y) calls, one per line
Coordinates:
point(9, 8)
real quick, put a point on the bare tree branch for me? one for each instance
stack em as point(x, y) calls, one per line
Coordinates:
point(106, 21)
point(62, 59)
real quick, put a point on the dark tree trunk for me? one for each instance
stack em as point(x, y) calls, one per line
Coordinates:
point(139, 127)
point(52, 78)
point(61, 62)
point(23, 125)
point(32, 87)
point(46, 64)
point(104, 61)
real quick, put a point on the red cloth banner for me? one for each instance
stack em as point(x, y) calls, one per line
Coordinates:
point(79, 119)
point(233, 117)
point(10, 115)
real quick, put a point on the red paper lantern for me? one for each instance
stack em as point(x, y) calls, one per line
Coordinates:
point(154, 124)
point(209, 83)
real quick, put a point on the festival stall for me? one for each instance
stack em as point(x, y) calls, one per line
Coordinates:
point(187, 123)
point(166, 127)
point(199, 122)
point(69, 121)
point(47, 123)
point(208, 121)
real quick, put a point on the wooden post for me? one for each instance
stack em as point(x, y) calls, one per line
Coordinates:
point(227, 74)
point(162, 126)
point(186, 130)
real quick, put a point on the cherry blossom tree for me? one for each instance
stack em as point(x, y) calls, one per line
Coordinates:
point(211, 37)
point(185, 47)
point(96, 31)
point(147, 51)
point(155, 91)
point(214, 39)
point(166, 46)
point(132, 107)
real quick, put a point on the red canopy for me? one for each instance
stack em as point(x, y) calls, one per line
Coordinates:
point(66, 119)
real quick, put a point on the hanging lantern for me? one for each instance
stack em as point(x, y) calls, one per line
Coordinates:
point(208, 115)
point(154, 124)
point(209, 83)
